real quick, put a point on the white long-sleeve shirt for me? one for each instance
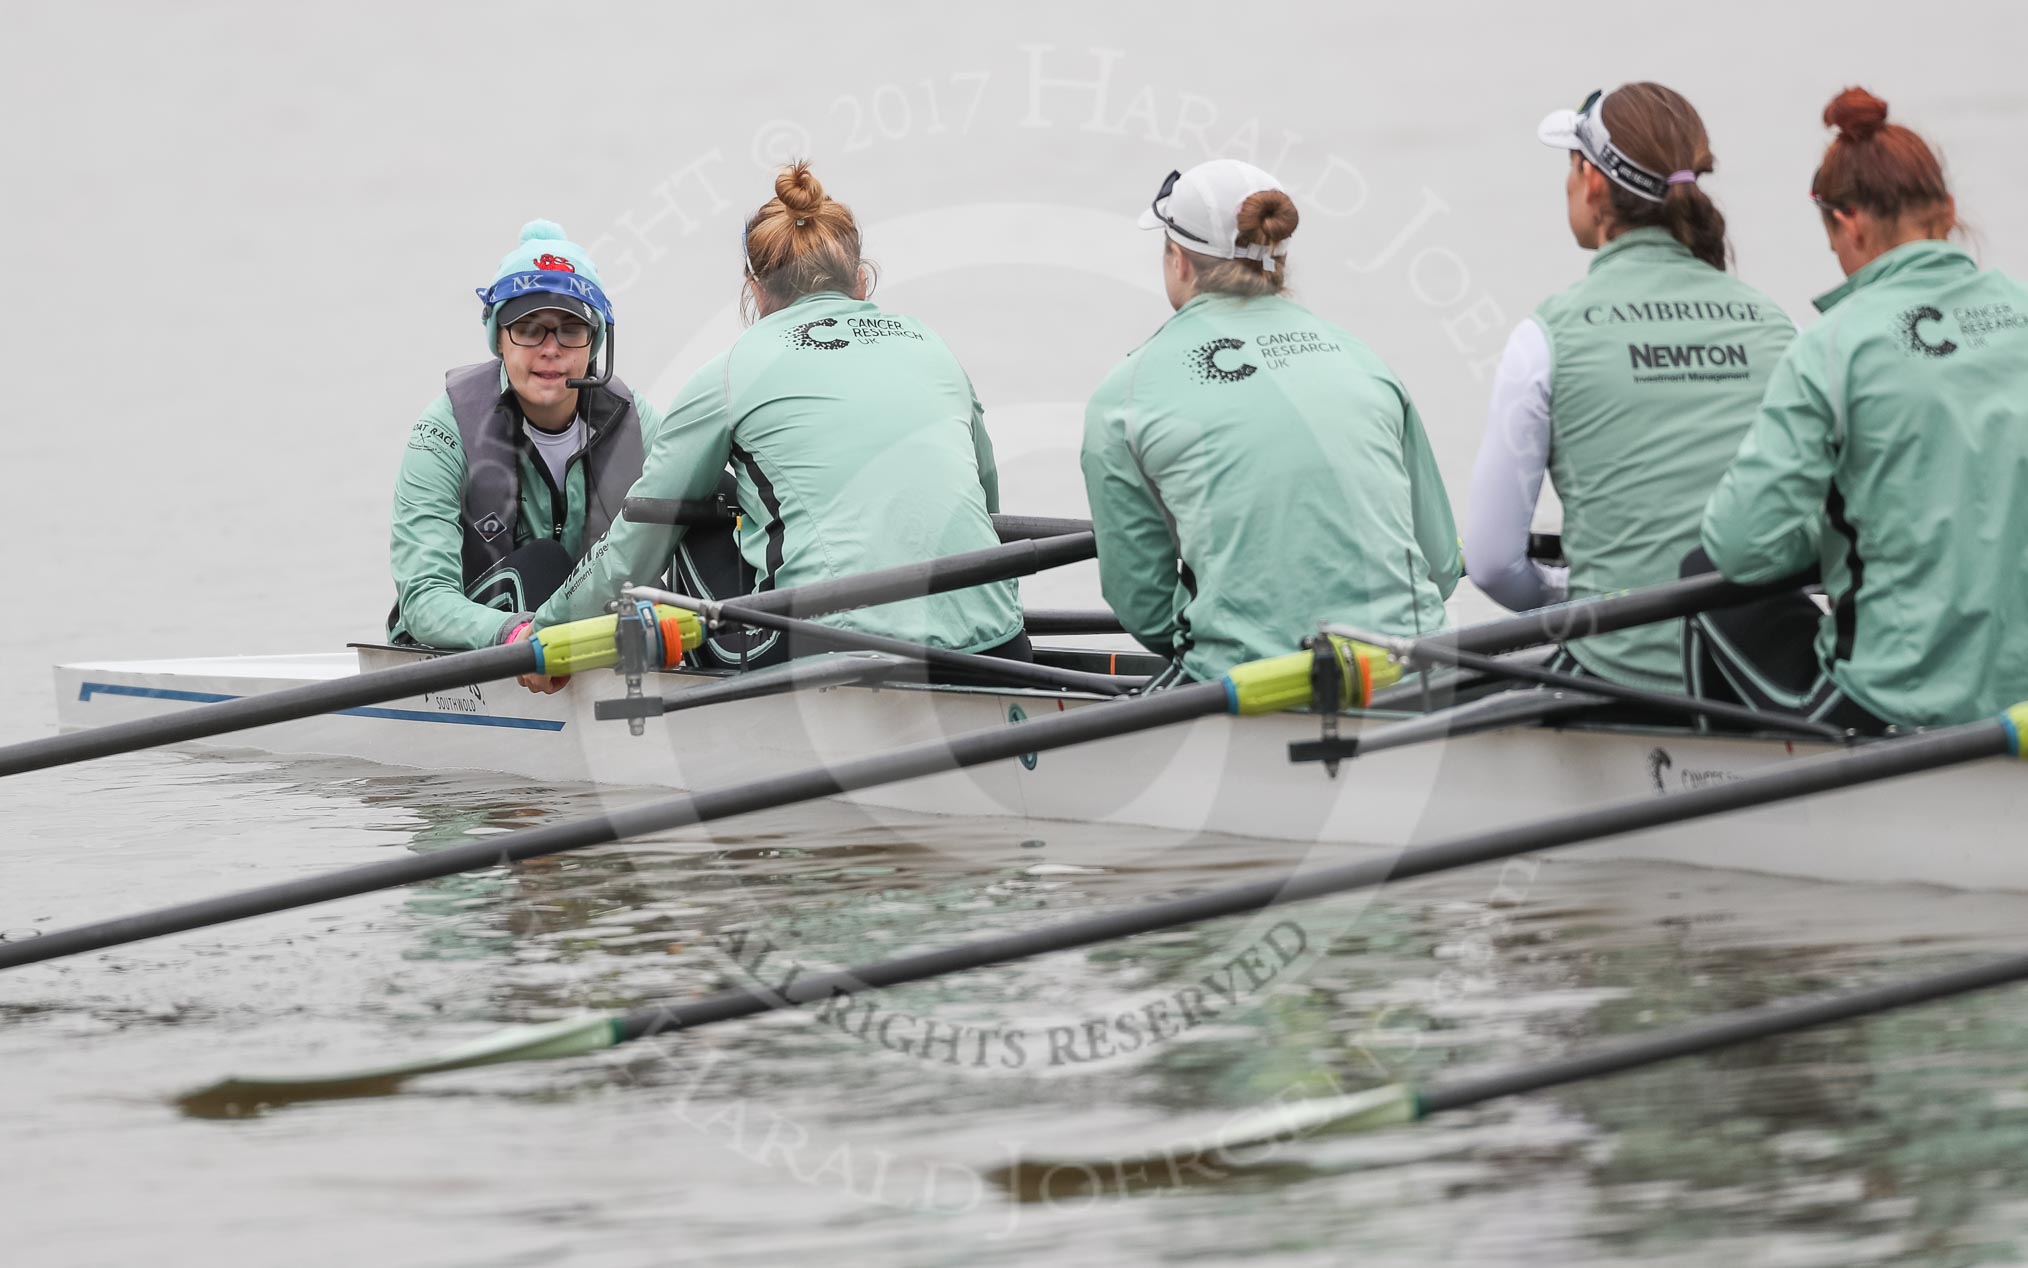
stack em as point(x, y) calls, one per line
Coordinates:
point(1507, 478)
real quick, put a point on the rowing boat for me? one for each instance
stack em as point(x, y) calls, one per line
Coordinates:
point(1220, 775)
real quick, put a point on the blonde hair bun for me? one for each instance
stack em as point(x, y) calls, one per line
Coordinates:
point(799, 191)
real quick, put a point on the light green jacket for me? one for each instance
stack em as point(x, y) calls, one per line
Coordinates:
point(427, 546)
point(1892, 450)
point(1658, 362)
point(1254, 470)
point(857, 444)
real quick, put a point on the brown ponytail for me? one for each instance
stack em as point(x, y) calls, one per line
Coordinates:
point(1881, 167)
point(801, 242)
point(1657, 128)
point(1266, 219)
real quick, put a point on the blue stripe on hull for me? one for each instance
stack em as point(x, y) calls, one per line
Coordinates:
point(87, 690)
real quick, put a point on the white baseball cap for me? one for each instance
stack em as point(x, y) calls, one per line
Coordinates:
point(1199, 210)
point(1584, 131)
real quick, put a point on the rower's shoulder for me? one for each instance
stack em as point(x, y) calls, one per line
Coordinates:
point(1349, 343)
point(1847, 332)
point(1999, 294)
point(1748, 292)
point(1177, 331)
point(1550, 305)
point(1117, 387)
point(1884, 311)
point(646, 413)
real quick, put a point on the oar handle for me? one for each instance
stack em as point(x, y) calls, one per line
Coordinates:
point(1042, 622)
point(808, 635)
point(707, 512)
point(681, 512)
point(1546, 548)
point(932, 576)
point(1015, 528)
point(1602, 614)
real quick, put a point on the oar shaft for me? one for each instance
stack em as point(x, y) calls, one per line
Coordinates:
point(814, 636)
point(1581, 618)
point(714, 511)
point(1092, 722)
point(1820, 774)
point(933, 576)
point(1494, 713)
point(1725, 1032)
point(1659, 701)
point(438, 673)
point(1045, 622)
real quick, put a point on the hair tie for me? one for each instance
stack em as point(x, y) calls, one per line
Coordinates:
point(1685, 177)
point(800, 222)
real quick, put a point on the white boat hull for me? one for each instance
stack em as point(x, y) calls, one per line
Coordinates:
point(1217, 775)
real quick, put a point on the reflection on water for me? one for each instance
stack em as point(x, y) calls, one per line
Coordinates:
point(1890, 1141)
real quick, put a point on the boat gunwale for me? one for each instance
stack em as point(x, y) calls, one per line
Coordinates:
point(1655, 730)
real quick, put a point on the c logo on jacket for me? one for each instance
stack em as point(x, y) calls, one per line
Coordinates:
point(1911, 332)
point(1204, 360)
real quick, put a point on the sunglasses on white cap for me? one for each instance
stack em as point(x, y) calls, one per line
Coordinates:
point(1213, 194)
point(1161, 197)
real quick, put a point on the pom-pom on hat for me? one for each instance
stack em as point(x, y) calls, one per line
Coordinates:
point(545, 270)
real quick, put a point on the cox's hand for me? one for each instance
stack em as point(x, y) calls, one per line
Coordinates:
point(541, 684)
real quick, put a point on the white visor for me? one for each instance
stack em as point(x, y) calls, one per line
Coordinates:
point(1559, 128)
point(1584, 131)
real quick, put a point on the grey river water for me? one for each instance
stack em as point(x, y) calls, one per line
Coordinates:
point(243, 239)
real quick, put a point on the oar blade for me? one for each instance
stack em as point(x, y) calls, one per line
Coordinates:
point(1370, 1110)
point(242, 1095)
point(1179, 1158)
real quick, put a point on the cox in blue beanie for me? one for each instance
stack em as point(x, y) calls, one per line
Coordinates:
point(546, 270)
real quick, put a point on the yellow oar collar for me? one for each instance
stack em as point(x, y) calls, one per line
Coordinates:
point(1292, 681)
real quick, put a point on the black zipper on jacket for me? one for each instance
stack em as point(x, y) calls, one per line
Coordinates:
point(593, 434)
point(559, 506)
point(559, 503)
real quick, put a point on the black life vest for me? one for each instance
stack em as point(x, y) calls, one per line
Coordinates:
point(489, 428)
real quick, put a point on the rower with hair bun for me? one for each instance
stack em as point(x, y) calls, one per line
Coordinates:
point(1630, 389)
point(1892, 452)
point(855, 439)
point(1254, 470)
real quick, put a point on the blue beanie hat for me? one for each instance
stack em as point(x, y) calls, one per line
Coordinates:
point(545, 263)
